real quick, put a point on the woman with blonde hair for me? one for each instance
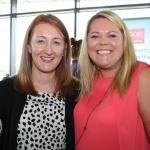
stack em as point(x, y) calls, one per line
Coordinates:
point(113, 109)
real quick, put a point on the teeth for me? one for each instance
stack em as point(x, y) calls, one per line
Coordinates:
point(47, 58)
point(103, 52)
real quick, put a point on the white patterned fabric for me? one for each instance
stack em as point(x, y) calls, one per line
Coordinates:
point(42, 123)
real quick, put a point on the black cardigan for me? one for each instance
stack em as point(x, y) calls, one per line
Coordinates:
point(11, 107)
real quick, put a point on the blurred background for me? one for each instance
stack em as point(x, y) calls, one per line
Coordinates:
point(16, 15)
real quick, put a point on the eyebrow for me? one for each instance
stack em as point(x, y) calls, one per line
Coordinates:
point(106, 32)
point(94, 32)
point(41, 36)
point(57, 38)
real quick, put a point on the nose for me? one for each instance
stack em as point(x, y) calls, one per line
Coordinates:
point(102, 40)
point(48, 49)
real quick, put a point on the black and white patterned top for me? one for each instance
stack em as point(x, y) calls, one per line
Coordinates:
point(42, 123)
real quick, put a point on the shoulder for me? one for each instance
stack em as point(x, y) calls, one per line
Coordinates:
point(6, 91)
point(7, 81)
point(139, 68)
point(141, 65)
point(143, 96)
point(145, 76)
point(144, 70)
point(144, 83)
point(6, 84)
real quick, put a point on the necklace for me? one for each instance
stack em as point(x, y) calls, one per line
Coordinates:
point(85, 126)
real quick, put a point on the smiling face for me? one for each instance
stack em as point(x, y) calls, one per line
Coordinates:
point(46, 47)
point(105, 44)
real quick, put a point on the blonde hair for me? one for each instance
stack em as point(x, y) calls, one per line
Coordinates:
point(123, 75)
point(23, 80)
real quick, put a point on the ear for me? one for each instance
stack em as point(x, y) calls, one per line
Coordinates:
point(66, 45)
point(29, 49)
point(63, 52)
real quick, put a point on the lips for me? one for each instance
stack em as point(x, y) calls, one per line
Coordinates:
point(47, 58)
point(103, 51)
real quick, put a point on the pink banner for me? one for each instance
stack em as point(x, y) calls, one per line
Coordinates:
point(137, 35)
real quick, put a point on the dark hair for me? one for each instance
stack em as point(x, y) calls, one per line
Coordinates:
point(75, 45)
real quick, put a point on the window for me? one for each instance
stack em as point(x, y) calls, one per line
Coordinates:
point(4, 7)
point(74, 14)
point(43, 5)
point(5, 46)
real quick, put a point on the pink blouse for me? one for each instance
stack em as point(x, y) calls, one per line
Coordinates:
point(115, 123)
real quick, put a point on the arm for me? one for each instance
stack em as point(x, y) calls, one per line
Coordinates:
point(143, 96)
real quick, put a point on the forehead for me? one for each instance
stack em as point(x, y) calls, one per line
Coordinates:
point(46, 28)
point(103, 24)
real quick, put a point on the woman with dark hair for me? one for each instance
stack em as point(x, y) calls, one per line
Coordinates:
point(36, 105)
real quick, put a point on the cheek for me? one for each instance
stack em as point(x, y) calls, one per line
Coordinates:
point(119, 50)
point(91, 47)
point(91, 54)
point(120, 46)
point(60, 52)
point(91, 44)
point(36, 49)
point(117, 45)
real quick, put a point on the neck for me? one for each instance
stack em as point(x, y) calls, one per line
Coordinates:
point(105, 74)
point(44, 82)
point(108, 72)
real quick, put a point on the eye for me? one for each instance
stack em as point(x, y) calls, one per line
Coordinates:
point(95, 36)
point(41, 41)
point(112, 36)
point(56, 43)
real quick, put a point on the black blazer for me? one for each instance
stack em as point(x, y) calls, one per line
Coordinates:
point(11, 106)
